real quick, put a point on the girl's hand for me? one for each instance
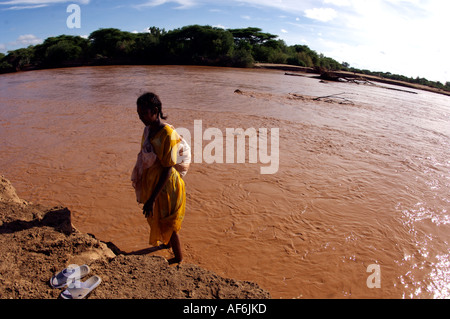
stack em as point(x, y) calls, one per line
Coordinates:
point(148, 208)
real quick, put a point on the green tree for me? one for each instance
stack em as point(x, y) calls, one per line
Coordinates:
point(242, 58)
point(60, 50)
point(19, 58)
point(271, 51)
point(5, 66)
point(251, 35)
point(197, 45)
point(156, 32)
point(111, 43)
point(328, 63)
point(147, 48)
point(302, 55)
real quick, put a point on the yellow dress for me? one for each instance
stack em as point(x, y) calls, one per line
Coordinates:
point(170, 205)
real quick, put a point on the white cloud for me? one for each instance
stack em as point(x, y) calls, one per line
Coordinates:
point(152, 3)
point(21, 42)
point(283, 31)
point(321, 14)
point(358, 55)
point(26, 7)
point(40, 2)
point(405, 57)
point(35, 4)
point(183, 4)
point(408, 32)
point(288, 6)
point(27, 39)
point(338, 3)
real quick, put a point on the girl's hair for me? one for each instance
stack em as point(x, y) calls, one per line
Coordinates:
point(150, 101)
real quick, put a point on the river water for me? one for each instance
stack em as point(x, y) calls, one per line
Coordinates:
point(362, 180)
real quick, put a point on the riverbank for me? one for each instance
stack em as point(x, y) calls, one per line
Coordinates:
point(37, 241)
point(345, 74)
point(307, 71)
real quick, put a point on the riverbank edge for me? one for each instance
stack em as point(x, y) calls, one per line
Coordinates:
point(271, 66)
point(36, 242)
point(343, 74)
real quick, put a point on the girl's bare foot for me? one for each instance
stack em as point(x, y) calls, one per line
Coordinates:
point(176, 248)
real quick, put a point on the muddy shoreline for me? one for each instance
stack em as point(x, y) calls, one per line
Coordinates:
point(305, 70)
point(37, 241)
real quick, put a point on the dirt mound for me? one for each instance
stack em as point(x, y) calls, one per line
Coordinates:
point(8, 192)
point(37, 241)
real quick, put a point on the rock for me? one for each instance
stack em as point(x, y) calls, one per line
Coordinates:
point(8, 192)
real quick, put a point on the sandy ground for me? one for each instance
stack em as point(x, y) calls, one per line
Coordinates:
point(36, 242)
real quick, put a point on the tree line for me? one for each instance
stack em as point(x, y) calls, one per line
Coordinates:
point(189, 45)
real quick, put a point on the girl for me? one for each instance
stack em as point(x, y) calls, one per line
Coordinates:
point(158, 184)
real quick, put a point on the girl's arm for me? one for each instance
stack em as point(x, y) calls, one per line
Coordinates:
point(148, 206)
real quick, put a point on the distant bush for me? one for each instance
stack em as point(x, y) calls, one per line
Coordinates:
point(5, 67)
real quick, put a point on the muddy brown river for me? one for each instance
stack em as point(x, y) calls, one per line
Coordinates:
point(356, 203)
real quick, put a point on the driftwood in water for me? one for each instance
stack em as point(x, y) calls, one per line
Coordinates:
point(349, 78)
point(334, 98)
point(331, 76)
point(297, 74)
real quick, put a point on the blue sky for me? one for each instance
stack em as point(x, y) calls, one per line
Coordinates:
point(407, 37)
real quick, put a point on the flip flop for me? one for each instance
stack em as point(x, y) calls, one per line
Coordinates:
point(79, 290)
point(68, 275)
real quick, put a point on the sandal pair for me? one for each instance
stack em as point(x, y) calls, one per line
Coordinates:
point(71, 276)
